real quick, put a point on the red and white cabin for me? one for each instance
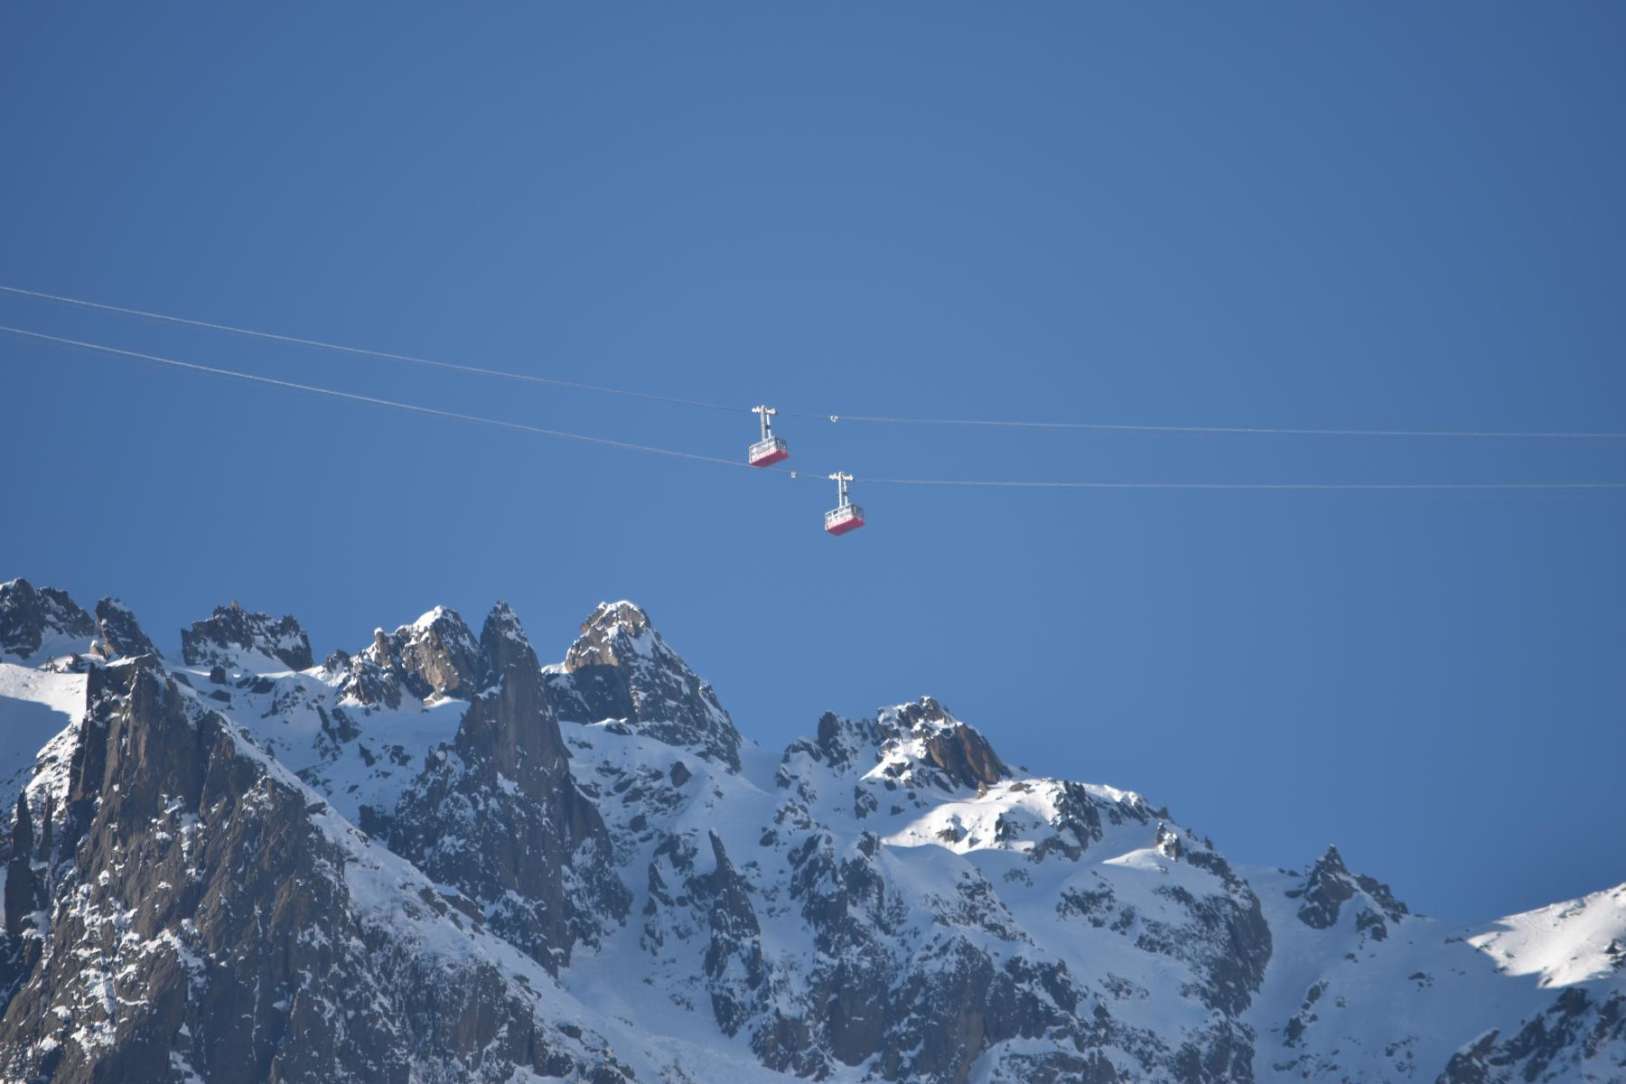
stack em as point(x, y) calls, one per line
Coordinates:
point(765, 453)
point(849, 517)
point(770, 449)
point(845, 516)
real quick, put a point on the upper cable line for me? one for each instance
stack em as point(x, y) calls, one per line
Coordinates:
point(832, 417)
point(382, 355)
point(846, 515)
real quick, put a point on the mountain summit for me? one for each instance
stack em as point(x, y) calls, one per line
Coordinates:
point(620, 668)
point(437, 858)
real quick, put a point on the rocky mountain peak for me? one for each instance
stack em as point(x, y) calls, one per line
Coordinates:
point(40, 620)
point(621, 669)
point(235, 638)
point(434, 656)
point(119, 632)
point(612, 633)
point(923, 738)
point(1330, 885)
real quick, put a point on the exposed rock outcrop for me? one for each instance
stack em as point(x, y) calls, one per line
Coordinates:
point(235, 638)
point(1579, 1037)
point(118, 632)
point(436, 655)
point(33, 620)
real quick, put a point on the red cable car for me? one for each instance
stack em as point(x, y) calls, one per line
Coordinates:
point(845, 516)
point(770, 449)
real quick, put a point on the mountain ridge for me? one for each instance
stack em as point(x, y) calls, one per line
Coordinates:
point(664, 899)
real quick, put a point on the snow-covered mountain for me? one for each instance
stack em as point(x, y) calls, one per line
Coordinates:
point(438, 859)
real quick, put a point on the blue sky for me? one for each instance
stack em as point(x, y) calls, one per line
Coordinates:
point(1297, 215)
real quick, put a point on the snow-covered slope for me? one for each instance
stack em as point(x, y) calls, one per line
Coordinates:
point(436, 858)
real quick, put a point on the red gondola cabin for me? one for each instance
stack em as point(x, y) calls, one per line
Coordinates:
point(770, 449)
point(765, 453)
point(845, 516)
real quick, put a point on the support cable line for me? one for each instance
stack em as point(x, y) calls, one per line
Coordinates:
point(979, 483)
point(842, 512)
point(1246, 429)
point(833, 418)
point(362, 351)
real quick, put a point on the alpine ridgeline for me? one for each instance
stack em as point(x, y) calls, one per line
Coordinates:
point(437, 859)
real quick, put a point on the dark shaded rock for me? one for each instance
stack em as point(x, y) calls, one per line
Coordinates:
point(232, 633)
point(1383, 897)
point(23, 895)
point(119, 632)
point(733, 962)
point(1330, 884)
point(1325, 891)
point(1580, 1036)
point(31, 617)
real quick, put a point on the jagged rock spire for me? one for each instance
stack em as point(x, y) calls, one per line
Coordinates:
point(22, 895)
point(503, 644)
point(119, 632)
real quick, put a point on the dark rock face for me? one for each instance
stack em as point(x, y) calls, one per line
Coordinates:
point(620, 668)
point(24, 887)
point(203, 926)
point(29, 616)
point(119, 632)
point(718, 906)
point(1325, 891)
point(1330, 885)
point(498, 815)
point(1567, 1042)
point(232, 631)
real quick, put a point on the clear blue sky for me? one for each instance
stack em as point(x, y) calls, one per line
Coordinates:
point(1280, 214)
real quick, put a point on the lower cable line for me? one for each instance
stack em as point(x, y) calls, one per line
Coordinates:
point(794, 475)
